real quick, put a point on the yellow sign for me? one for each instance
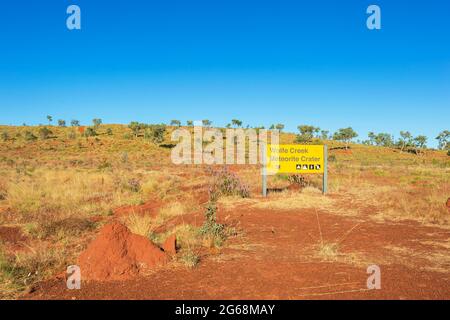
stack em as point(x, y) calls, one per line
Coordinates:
point(295, 158)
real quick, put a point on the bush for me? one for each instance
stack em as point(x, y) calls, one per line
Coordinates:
point(90, 132)
point(227, 183)
point(29, 136)
point(109, 132)
point(155, 133)
point(211, 228)
point(45, 133)
point(5, 136)
point(448, 153)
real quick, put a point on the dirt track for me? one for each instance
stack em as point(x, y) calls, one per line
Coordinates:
point(276, 258)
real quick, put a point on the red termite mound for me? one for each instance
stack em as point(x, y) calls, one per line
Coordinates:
point(118, 254)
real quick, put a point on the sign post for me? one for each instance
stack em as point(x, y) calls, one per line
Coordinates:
point(264, 169)
point(325, 170)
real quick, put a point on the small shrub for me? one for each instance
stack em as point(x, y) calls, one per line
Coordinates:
point(72, 135)
point(190, 259)
point(211, 229)
point(5, 136)
point(109, 132)
point(90, 132)
point(29, 136)
point(227, 183)
point(45, 133)
point(134, 185)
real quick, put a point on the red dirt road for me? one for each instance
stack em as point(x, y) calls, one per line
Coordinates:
point(275, 257)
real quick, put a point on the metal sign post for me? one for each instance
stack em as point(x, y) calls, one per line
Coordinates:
point(264, 169)
point(325, 170)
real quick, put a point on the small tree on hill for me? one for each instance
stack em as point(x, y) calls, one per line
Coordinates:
point(207, 123)
point(175, 123)
point(50, 119)
point(190, 123)
point(306, 133)
point(324, 134)
point(444, 140)
point(280, 126)
point(61, 123)
point(75, 123)
point(155, 133)
point(346, 135)
point(405, 139)
point(384, 140)
point(135, 127)
point(236, 123)
point(96, 122)
point(420, 142)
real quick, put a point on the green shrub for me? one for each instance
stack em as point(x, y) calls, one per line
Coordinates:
point(45, 133)
point(29, 136)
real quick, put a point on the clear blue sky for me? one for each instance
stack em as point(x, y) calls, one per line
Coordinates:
point(263, 62)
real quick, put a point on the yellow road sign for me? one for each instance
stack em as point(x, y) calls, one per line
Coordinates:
point(295, 158)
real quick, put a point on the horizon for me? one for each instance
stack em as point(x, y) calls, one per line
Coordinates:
point(260, 62)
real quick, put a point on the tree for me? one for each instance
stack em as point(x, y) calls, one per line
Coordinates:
point(272, 127)
point(228, 126)
point(75, 123)
point(420, 141)
point(50, 119)
point(236, 122)
point(135, 127)
point(190, 123)
point(346, 135)
point(97, 122)
point(45, 133)
point(206, 123)
point(61, 123)
point(444, 140)
point(155, 133)
point(324, 134)
point(384, 140)
point(280, 126)
point(175, 123)
point(306, 133)
point(371, 135)
point(405, 140)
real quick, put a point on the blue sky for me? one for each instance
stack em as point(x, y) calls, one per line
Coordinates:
point(263, 62)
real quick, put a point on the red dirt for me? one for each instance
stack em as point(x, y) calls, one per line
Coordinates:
point(170, 245)
point(117, 254)
point(448, 204)
point(11, 235)
point(275, 258)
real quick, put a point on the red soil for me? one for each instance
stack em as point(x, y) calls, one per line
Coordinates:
point(448, 204)
point(170, 245)
point(274, 258)
point(12, 235)
point(117, 254)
